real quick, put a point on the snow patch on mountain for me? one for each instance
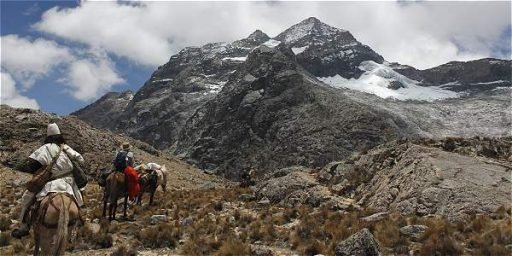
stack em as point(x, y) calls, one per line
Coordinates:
point(240, 59)
point(491, 83)
point(450, 84)
point(297, 32)
point(299, 50)
point(162, 80)
point(271, 43)
point(216, 87)
point(380, 79)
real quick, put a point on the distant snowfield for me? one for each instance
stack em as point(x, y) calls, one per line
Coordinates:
point(378, 77)
point(240, 59)
point(271, 43)
point(299, 50)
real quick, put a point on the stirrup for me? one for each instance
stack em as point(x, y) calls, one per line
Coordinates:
point(20, 233)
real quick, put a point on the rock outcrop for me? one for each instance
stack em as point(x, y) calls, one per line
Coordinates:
point(420, 180)
point(361, 243)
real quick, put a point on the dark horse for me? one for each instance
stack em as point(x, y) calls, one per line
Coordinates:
point(149, 182)
point(116, 186)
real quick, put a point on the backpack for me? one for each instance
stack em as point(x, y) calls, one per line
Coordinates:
point(121, 160)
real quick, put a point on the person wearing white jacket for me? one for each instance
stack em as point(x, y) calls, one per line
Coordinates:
point(62, 177)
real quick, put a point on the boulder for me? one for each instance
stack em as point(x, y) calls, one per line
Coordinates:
point(361, 243)
point(155, 219)
point(375, 217)
point(296, 187)
point(415, 231)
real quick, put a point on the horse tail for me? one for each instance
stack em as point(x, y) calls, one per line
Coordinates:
point(164, 174)
point(62, 227)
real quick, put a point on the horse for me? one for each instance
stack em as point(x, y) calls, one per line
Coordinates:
point(149, 182)
point(116, 186)
point(56, 213)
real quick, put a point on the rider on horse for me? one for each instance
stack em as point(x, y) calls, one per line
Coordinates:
point(54, 152)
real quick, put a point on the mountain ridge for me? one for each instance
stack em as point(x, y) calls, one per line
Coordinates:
point(196, 77)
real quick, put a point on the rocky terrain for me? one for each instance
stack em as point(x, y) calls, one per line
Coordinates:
point(404, 197)
point(232, 107)
point(306, 143)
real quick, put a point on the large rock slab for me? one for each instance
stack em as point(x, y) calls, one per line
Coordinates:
point(424, 180)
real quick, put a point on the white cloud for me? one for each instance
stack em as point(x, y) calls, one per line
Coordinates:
point(422, 34)
point(10, 96)
point(91, 77)
point(29, 61)
point(87, 74)
point(121, 29)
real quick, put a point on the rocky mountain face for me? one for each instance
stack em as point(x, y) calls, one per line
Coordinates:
point(273, 107)
point(310, 95)
point(106, 110)
point(472, 76)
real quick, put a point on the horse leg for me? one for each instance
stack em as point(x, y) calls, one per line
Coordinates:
point(139, 198)
point(46, 241)
point(104, 209)
point(151, 195)
point(125, 205)
point(112, 211)
point(37, 240)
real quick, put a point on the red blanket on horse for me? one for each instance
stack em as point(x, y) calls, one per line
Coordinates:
point(133, 182)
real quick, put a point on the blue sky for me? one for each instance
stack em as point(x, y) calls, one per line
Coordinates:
point(17, 17)
point(60, 56)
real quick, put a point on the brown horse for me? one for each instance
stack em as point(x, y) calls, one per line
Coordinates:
point(56, 213)
point(116, 187)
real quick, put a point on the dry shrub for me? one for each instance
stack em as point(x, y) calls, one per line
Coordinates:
point(103, 240)
point(18, 248)
point(387, 231)
point(279, 219)
point(255, 231)
point(312, 247)
point(5, 223)
point(501, 213)
point(493, 242)
point(217, 206)
point(290, 213)
point(201, 245)
point(96, 213)
point(87, 239)
point(341, 226)
point(233, 247)
point(124, 251)
point(438, 239)
point(163, 235)
point(5, 239)
point(479, 223)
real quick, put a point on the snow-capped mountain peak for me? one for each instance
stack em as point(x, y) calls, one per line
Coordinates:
point(307, 27)
point(258, 35)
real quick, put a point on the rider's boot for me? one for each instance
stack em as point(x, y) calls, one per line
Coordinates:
point(26, 202)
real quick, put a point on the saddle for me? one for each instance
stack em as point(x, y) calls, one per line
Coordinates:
point(37, 216)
